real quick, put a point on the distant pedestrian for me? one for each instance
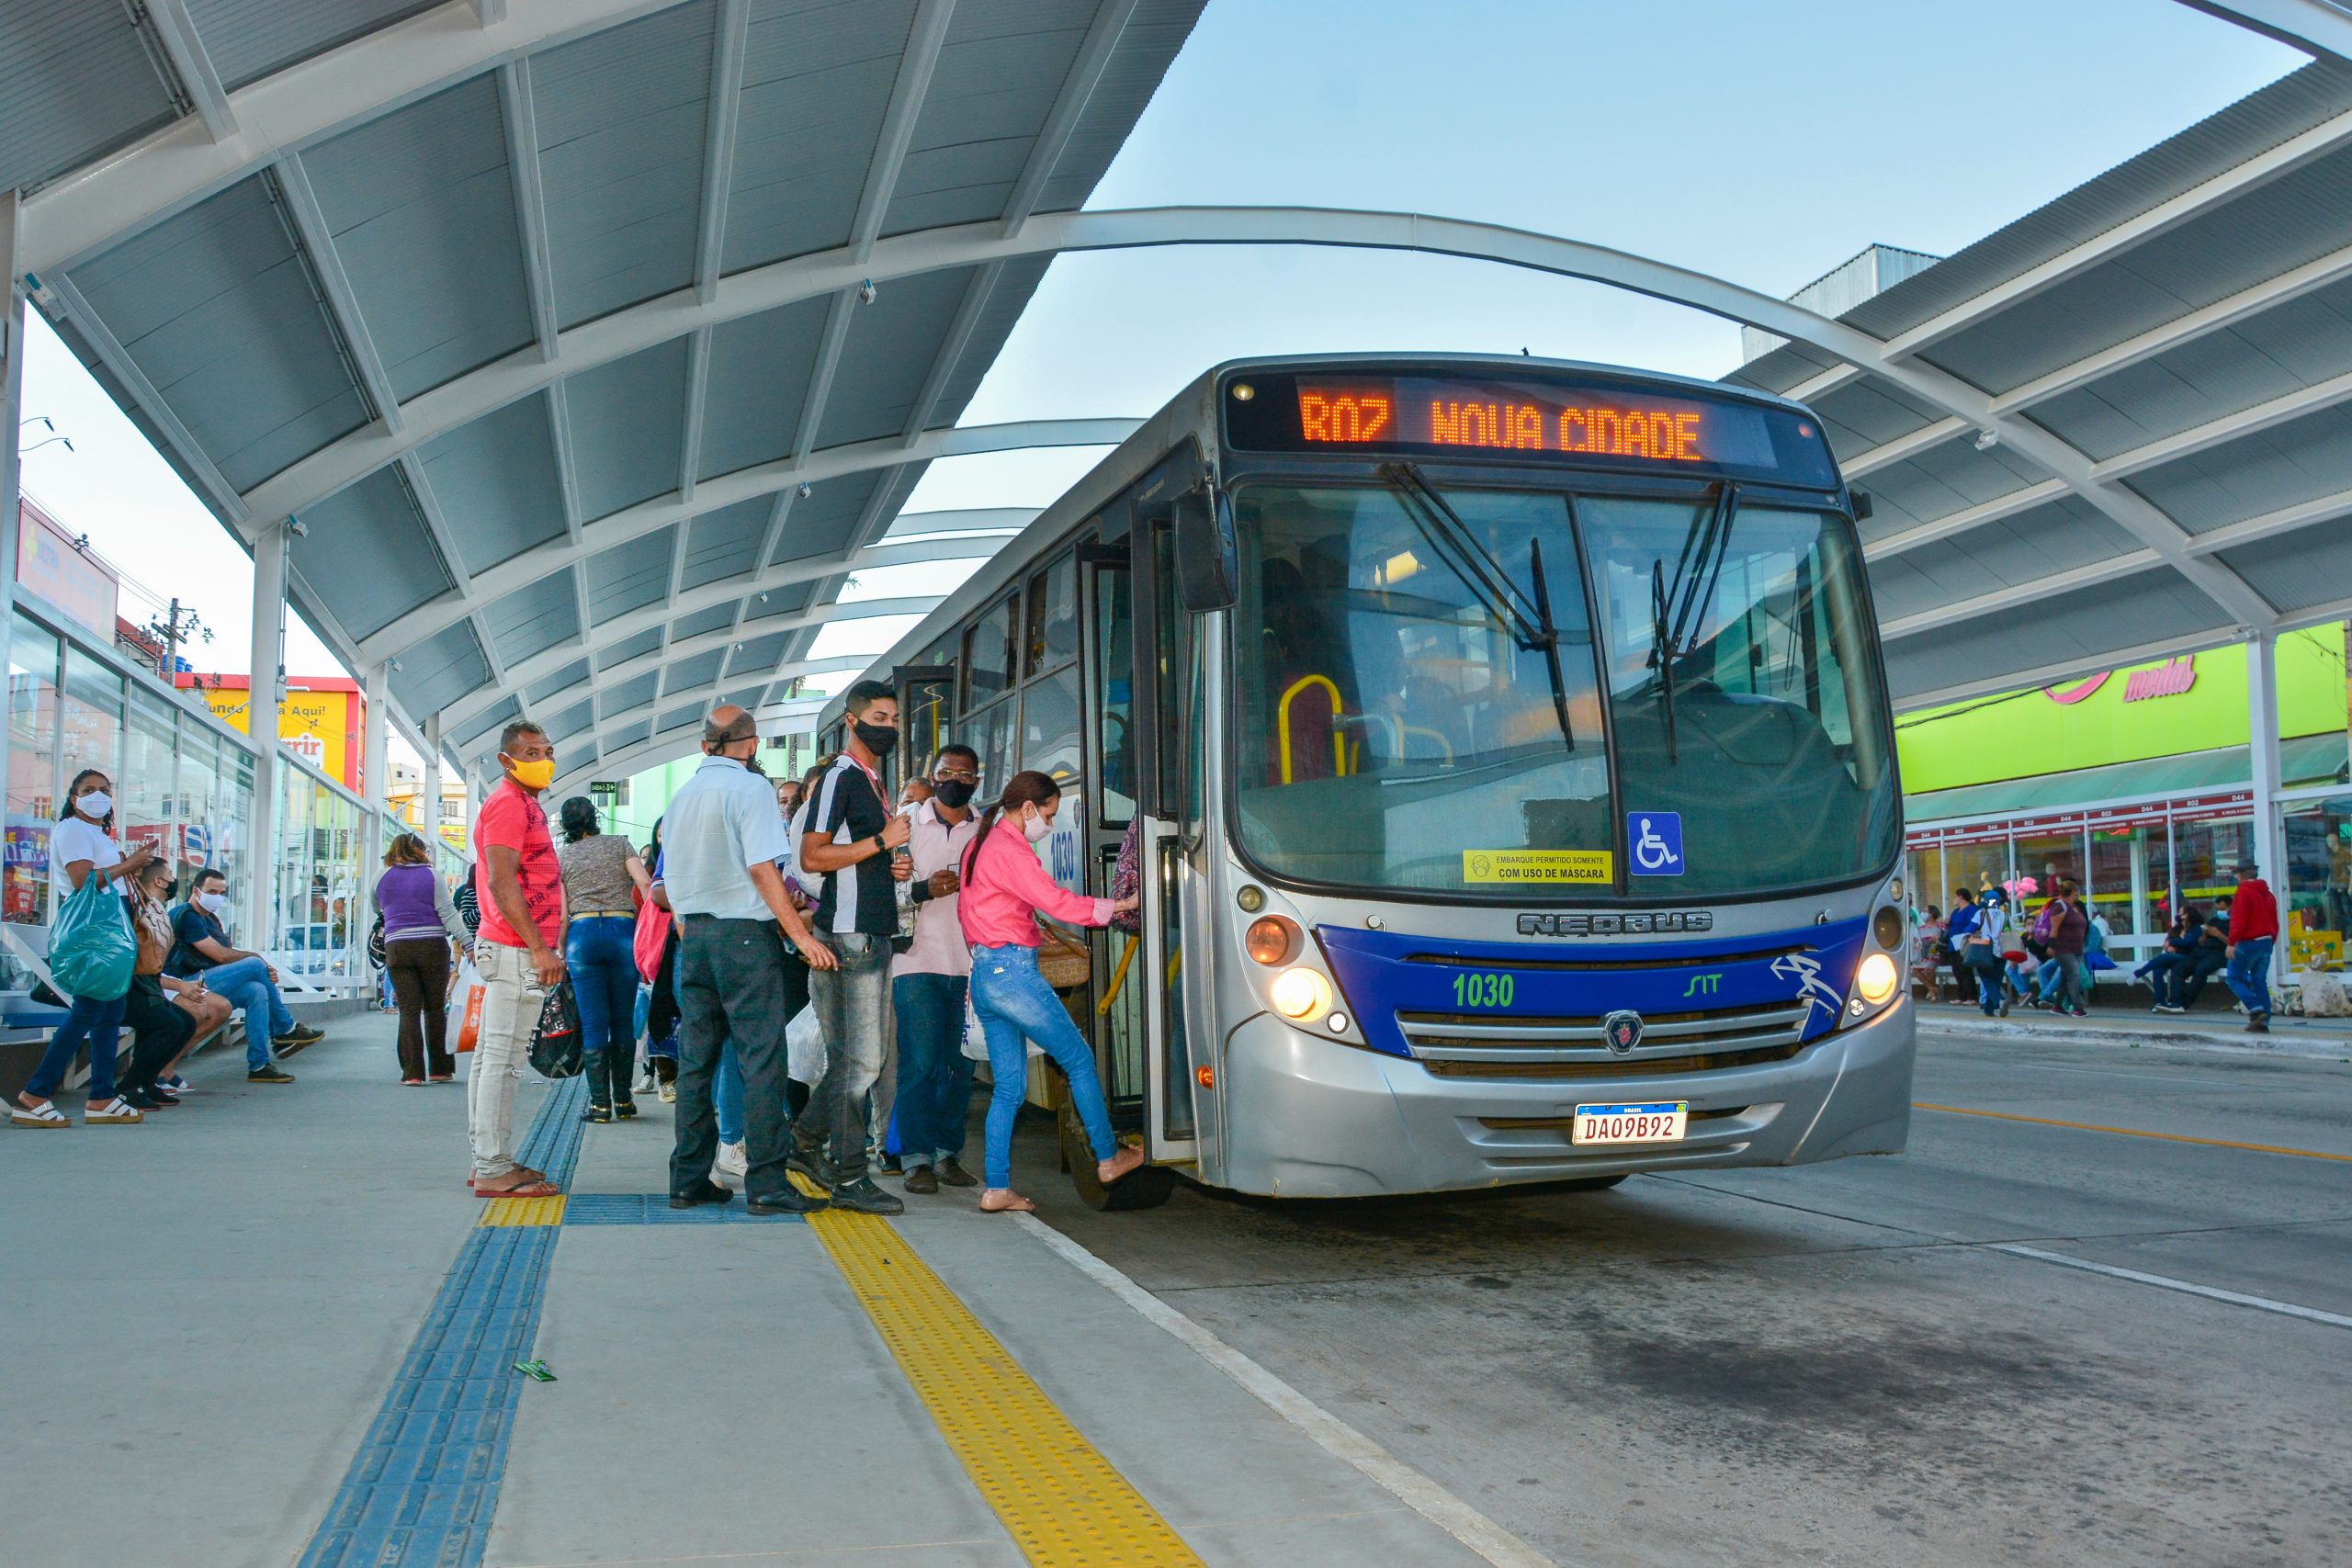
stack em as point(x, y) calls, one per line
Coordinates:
point(2069, 930)
point(1986, 953)
point(2254, 931)
point(420, 921)
point(603, 880)
point(518, 950)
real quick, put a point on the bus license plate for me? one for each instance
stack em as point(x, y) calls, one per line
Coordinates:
point(1658, 1122)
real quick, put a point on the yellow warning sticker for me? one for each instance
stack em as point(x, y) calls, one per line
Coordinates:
point(1538, 866)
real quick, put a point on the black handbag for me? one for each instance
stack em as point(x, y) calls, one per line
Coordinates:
point(555, 1044)
point(376, 942)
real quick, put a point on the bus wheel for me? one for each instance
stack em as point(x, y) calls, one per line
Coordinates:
point(1592, 1184)
point(1146, 1187)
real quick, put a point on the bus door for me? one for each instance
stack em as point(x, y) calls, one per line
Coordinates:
point(1118, 1023)
point(926, 696)
point(1168, 688)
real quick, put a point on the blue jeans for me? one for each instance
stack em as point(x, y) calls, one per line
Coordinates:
point(1014, 1003)
point(935, 1076)
point(727, 1094)
point(99, 1023)
point(2249, 972)
point(601, 953)
point(246, 982)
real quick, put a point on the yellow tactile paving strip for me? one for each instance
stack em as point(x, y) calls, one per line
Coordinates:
point(523, 1211)
point(1060, 1498)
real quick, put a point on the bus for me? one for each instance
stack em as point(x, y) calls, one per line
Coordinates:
point(1510, 766)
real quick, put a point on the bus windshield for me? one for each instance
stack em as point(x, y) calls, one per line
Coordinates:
point(1402, 722)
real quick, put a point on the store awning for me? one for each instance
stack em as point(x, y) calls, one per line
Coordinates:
point(2303, 760)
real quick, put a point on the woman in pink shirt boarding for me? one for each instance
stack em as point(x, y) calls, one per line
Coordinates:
point(1004, 890)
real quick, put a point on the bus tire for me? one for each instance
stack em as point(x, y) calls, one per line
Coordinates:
point(1145, 1188)
point(1591, 1184)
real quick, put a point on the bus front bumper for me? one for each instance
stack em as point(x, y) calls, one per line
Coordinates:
point(1308, 1118)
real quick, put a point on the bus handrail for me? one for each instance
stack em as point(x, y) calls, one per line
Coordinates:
point(1282, 723)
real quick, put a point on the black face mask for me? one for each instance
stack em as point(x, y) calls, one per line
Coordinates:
point(952, 794)
point(880, 739)
point(752, 764)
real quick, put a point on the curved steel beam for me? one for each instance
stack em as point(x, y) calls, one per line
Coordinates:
point(611, 634)
point(744, 484)
point(185, 162)
point(662, 746)
point(628, 331)
point(2310, 25)
point(702, 697)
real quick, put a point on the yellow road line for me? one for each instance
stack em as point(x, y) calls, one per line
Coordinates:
point(1061, 1501)
point(2129, 1131)
point(523, 1211)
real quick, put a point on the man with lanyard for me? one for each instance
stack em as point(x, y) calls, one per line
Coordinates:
point(928, 980)
point(721, 842)
point(849, 843)
point(518, 949)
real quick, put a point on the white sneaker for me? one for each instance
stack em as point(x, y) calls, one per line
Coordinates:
point(731, 1163)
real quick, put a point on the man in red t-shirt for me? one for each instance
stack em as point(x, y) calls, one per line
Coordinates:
point(518, 949)
point(2254, 932)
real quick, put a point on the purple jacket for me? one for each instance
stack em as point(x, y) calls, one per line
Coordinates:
point(414, 904)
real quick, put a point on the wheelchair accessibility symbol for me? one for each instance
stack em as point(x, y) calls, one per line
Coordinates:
point(1657, 838)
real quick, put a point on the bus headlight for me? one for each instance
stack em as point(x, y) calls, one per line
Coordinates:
point(1876, 979)
point(1301, 995)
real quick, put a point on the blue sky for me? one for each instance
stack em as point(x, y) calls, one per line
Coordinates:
point(1765, 141)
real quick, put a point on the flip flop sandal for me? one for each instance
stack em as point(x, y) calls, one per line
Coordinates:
point(117, 1111)
point(527, 1190)
point(42, 1115)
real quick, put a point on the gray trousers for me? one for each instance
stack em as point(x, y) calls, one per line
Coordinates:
point(854, 1009)
point(731, 986)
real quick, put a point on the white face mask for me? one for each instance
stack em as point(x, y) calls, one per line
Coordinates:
point(211, 902)
point(95, 805)
point(1036, 826)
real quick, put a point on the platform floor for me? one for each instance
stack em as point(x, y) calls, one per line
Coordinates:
point(269, 1327)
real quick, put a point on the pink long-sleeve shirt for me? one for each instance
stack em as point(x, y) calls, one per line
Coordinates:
point(1006, 888)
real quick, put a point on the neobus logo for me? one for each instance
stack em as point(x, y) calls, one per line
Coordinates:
point(1636, 923)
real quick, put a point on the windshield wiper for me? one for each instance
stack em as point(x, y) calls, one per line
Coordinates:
point(1689, 596)
point(1480, 571)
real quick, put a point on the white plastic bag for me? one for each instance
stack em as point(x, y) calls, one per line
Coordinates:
point(975, 1044)
point(804, 1048)
point(466, 994)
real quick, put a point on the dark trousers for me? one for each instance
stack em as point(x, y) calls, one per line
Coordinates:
point(2165, 974)
point(419, 968)
point(731, 986)
point(935, 1076)
point(2210, 961)
point(161, 1026)
point(601, 952)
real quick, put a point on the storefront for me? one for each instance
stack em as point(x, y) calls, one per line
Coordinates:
point(2141, 790)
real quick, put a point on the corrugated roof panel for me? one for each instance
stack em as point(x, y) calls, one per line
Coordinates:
point(184, 298)
point(998, 76)
point(248, 40)
point(819, 521)
point(621, 118)
point(483, 729)
point(1864, 413)
point(629, 576)
point(2297, 571)
point(438, 671)
point(692, 674)
point(621, 652)
point(2257, 235)
point(534, 618)
point(75, 83)
point(2066, 534)
point(1949, 476)
point(725, 542)
point(756, 658)
point(496, 480)
point(627, 428)
point(2295, 344)
point(1148, 44)
point(1015, 282)
point(2087, 623)
point(555, 685)
point(759, 377)
point(422, 213)
point(633, 692)
point(680, 716)
point(701, 623)
point(889, 357)
point(2220, 141)
point(367, 555)
point(2298, 461)
point(817, 82)
point(571, 721)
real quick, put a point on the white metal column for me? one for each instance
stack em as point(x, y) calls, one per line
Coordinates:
point(375, 778)
point(12, 412)
point(2262, 711)
point(267, 693)
point(428, 800)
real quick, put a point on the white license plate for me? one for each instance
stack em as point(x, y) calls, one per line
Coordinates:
point(1659, 1122)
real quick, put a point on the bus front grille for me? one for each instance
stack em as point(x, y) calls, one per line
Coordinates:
point(1615, 1067)
point(1472, 1046)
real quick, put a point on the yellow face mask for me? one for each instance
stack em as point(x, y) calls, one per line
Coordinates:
point(531, 775)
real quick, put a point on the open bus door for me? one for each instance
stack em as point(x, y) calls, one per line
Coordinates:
point(926, 696)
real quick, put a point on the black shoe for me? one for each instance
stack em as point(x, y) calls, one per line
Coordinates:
point(2256, 1023)
point(161, 1095)
point(955, 1175)
point(142, 1099)
point(889, 1163)
point(273, 1073)
point(862, 1197)
point(812, 1163)
point(788, 1202)
point(624, 1110)
point(302, 1034)
point(923, 1179)
point(596, 1113)
point(704, 1192)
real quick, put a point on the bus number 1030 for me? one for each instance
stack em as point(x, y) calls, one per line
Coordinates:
point(1482, 990)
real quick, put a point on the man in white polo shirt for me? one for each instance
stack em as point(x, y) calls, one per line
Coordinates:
point(720, 840)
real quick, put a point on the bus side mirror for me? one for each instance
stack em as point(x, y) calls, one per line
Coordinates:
point(1208, 571)
point(1863, 509)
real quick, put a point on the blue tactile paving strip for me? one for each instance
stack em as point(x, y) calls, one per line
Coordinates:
point(425, 1484)
point(654, 1209)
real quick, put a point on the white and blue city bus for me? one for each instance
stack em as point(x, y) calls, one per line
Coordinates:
point(1513, 771)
